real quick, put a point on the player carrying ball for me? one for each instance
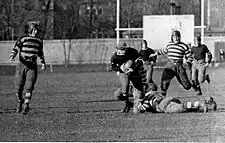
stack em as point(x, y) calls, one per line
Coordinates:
point(123, 62)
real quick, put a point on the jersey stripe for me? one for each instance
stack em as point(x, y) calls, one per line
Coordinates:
point(176, 51)
point(29, 48)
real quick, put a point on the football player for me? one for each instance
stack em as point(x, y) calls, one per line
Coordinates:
point(123, 62)
point(149, 63)
point(199, 66)
point(176, 51)
point(28, 47)
point(157, 103)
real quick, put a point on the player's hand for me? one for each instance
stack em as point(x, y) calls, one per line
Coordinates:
point(12, 59)
point(128, 70)
point(153, 63)
point(43, 67)
point(118, 73)
point(138, 59)
point(153, 55)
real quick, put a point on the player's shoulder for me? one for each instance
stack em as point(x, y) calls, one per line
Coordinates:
point(23, 37)
point(204, 46)
point(131, 50)
point(114, 55)
point(182, 43)
point(169, 43)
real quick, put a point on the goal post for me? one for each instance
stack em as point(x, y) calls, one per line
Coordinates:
point(118, 29)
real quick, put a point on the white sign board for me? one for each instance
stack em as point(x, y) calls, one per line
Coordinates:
point(157, 29)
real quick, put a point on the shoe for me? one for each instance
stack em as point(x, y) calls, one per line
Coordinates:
point(26, 108)
point(207, 78)
point(123, 97)
point(19, 106)
point(211, 104)
point(128, 106)
point(199, 91)
point(194, 86)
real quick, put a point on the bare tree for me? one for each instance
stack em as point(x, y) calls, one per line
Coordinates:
point(69, 14)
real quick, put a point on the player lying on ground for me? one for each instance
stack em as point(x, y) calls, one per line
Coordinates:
point(156, 103)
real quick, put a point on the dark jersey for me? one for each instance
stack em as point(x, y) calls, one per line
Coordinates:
point(118, 60)
point(144, 54)
point(199, 52)
point(29, 48)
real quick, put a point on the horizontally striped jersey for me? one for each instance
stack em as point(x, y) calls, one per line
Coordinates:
point(176, 51)
point(29, 48)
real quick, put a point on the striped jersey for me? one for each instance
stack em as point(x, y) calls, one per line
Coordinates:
point(29, 48)
point(177, 51)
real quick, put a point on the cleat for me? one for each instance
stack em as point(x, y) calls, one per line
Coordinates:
point(211, 104)
point(26, 108)
point(207, 78)
point(199, 91)
point(128, 106)
point(123, 97)
point(19, 106)
point(194, 86)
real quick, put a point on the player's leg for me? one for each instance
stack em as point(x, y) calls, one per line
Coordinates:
point(20, 79)
point(169, 105)
point(138, 92)
point(31, 80)
point(202, 74)
point(128, 104)
point(196, 78)
point(174, 107)
point(182, 77)
point(149, 74)
point(167, 76)
point(124, 80)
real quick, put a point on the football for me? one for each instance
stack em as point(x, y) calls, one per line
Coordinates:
point(129, 64)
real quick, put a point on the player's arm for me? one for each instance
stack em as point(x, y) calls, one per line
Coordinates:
point(152, 59)
point(188, 56)
point(15, 50)
point(160, 52)
point(42, 57)
point(127, 67)
point(209, 54)
point(115, 66)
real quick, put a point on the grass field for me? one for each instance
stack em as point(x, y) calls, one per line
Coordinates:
point(78, 107)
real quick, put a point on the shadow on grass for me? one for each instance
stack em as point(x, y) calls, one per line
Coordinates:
point(41, 110)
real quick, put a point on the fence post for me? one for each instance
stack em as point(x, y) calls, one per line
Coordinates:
point(51, 68)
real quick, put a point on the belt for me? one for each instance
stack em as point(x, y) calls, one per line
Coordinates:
point(200, 60)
